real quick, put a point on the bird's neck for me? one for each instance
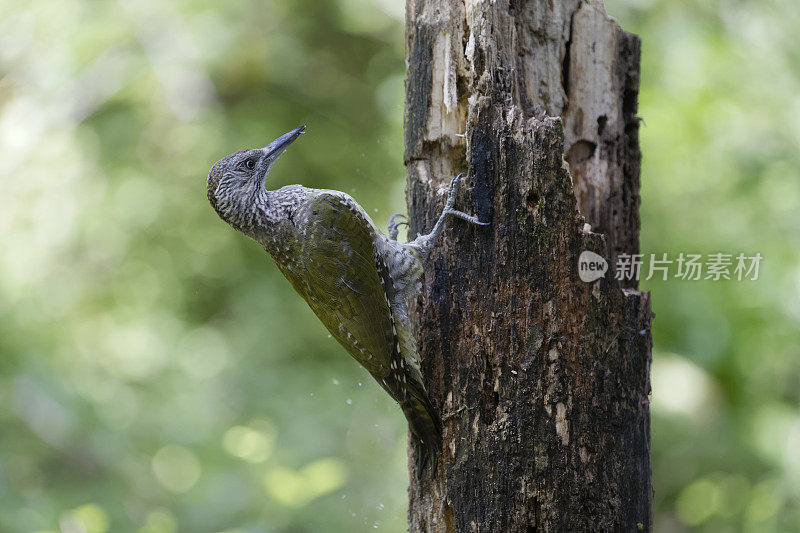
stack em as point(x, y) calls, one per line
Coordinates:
point(267, 209)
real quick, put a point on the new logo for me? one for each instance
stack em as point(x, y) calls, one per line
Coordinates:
point(591, 266)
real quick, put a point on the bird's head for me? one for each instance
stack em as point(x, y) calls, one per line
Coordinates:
point(234, 181)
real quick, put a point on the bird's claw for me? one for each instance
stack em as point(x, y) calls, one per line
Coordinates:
point(393, 226)
point(423, 243)
point(464, 216)
point(451, 200)
point(452, 189)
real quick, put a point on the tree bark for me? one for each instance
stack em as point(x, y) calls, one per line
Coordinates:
point(542, 380)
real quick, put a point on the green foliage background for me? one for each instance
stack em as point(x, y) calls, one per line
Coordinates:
point(157, 374)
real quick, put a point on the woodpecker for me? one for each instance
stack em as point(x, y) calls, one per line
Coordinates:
point(357, 280)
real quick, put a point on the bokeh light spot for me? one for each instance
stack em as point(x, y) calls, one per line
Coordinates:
point(176, 468)
point(698, 501)
point(253, 444)
point(90, 518)
point(296, 489)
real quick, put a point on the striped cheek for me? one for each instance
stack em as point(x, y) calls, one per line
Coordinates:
point(214, 175)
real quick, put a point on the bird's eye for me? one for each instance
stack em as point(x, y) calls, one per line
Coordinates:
point(250, 164)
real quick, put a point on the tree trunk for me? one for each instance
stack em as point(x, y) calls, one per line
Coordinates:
point(542, 379)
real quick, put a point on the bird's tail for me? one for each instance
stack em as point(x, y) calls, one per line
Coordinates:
point(424, 423)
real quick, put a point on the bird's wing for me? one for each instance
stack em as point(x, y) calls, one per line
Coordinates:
point(343, 278)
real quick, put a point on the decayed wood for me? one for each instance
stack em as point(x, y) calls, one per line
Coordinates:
point(542, 380)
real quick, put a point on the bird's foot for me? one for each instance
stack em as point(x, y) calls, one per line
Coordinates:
point(451, 201)
point(423, 243)
point(393, 225)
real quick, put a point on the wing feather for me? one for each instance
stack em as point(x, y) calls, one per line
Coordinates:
point(342, 281)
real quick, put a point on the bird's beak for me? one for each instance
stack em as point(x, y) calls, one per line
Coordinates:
point(277, 147)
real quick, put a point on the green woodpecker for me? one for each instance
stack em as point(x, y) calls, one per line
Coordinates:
point(355, 279)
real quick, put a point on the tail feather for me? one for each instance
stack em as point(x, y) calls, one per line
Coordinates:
point(425, 426)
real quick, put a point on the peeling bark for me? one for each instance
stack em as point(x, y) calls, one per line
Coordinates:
point(542, 380)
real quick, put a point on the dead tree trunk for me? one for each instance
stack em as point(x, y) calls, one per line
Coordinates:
point(542, 379)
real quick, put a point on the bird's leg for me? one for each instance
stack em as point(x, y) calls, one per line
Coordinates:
point(394, 225)
point(423, 242)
